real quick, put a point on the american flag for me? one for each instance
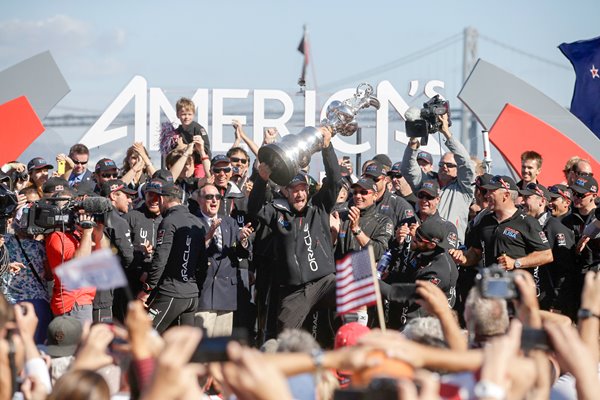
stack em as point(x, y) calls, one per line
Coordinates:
point(354, 282)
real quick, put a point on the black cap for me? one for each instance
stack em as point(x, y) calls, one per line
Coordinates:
point(115, 185)
point(501, 182)
point(55, 184)
point(375, 170)
point(299, 178)
point(431, 187)
point(155, 185)
point(396, 169)
point(585, 184)
point(439, 232)
point(85, 188)
point(105, 164)
point(560, 190)
point(219, 158)
point(425, 156)
point(64, 334)
point(384, 160)
point(163, 174)
point(38, 163)
point(483, 180)
point(535, 189)
point(171, 190)
point(365, 183)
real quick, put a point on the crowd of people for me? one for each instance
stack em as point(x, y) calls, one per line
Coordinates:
point(489, 287)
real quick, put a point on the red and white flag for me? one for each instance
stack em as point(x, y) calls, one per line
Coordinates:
point(354, 284)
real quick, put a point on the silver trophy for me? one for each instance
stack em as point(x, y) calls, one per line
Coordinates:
point(293, 152)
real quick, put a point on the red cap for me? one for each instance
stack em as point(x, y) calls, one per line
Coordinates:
point(349, 334)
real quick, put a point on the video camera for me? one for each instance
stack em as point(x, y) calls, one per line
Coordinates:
point(46, 216)
point(425, 122)
point(496, 283)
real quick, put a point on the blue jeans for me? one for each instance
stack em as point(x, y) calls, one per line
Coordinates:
point(42, 310)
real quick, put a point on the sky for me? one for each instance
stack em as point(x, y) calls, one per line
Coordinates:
point(180, 46)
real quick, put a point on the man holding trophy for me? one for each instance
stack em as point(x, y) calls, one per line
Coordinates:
point(303, 254)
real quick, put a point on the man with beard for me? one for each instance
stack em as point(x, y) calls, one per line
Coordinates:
point(302, 245)
point(550, 279)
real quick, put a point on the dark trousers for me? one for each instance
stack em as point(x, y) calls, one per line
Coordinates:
point(168, 311)
point(297, 301)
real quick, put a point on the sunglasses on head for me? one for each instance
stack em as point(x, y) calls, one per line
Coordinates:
point(212, 197)
point(362, 192)
point(498, 179)
point(80, 162)
point(533, 187)
point(446, 164)
point(423, 195)
point(110, 175)
point(223, 169)
point(240, 160)
point(557, 190)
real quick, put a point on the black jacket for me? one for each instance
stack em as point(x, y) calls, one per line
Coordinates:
point(302, 239)
point(378, 227)
point(395, 207)
point(179, 253)
point(144, 226)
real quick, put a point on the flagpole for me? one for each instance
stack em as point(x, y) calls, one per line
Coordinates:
point(377, 290)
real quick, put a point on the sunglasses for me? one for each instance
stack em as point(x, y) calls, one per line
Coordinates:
point(240, 160)
point(581, 195)
point(425, 196)
point(557, 190)
point(446, 164)
point(110, 175)
point(80, 162)
point(219, 170)
point(498, 179)
point(362, 192)
point(212, 197)
point(396, 176)
point(578, 173)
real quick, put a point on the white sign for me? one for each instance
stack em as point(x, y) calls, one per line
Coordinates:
point(101, 270)
point(151, 104)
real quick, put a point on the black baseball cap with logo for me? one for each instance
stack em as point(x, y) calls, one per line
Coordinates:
point(38, 163)
point(585, 184)
point(64, 334)
point(115, 185)
point(438, 232)
point(55, 184)
point(105, 164)
point(533, 188)
point(300, 178)
point(375, 170)
point(365, 183)
point(560, 190)
point(501, 182)
point(431, 187)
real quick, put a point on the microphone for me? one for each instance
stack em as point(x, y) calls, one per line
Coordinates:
point(412, 114)
point(96, 205)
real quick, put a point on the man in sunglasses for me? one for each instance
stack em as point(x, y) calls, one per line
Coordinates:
point(225, 244)
point(388, 204)
point(80, 155)
point(456, 174)
point(362, 224)
point(105, 170)
point(585, 192)
point(400, 185)
point(302, 248)
point(506, 236)
point(429, 261)
point(551, 277)
point(234, 202)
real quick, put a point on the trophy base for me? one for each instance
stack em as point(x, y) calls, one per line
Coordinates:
point(282, 171)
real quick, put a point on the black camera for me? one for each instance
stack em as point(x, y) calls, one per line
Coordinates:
point(46, 216)
point(426, 122)
point(496, 283)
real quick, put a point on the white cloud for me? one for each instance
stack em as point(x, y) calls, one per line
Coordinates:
point(66, 37)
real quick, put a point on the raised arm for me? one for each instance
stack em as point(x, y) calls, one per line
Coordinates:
point(466, 169)
point(410, 168)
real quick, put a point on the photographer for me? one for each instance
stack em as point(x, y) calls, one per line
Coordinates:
point(456, 175)
point(62, 247)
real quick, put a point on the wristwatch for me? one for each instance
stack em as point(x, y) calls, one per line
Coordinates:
point(357, 232)
point(317, 356)
point(584, 313)
point(517, 263)
point(489, 390)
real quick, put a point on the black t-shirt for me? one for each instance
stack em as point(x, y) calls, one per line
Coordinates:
point(516, 237)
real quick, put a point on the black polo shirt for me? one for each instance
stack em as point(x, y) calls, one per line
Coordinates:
point(516, 237)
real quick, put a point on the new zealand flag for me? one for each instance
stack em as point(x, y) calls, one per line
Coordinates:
point(585, 57)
